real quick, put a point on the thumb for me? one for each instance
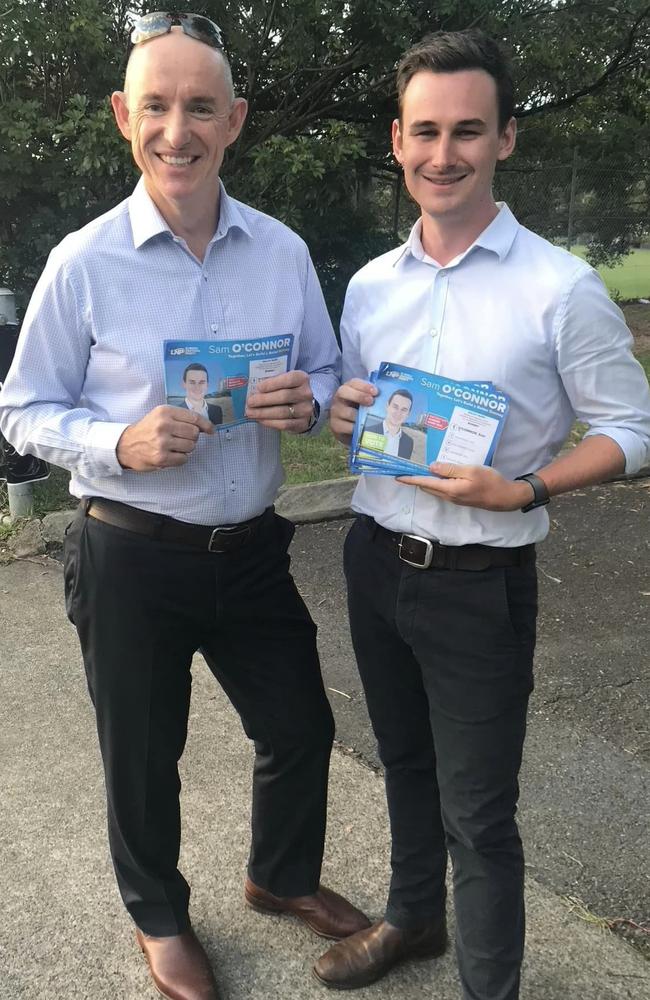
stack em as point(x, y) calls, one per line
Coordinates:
point(447, 470)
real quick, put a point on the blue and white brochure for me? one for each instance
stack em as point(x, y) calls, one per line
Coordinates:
point(418, 418)
point(219, 375)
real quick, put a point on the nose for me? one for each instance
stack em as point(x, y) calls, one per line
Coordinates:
point(176, 129)
point(444, 152)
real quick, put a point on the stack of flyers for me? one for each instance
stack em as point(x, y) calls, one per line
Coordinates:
point(217, 376)
point(418, 418)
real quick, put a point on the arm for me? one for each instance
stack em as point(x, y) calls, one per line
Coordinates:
point(608, 390)
point(317, 372)
point(40, 403)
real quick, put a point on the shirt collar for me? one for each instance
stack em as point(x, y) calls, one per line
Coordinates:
point(498, 237)
point(147, 222)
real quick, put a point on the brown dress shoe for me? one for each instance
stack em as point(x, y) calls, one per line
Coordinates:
point(325, 912)
point(179, 966)
point(368, 955)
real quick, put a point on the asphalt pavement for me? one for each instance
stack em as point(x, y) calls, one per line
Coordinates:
point(63, 932)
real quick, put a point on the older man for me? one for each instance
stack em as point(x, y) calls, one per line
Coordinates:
point(175, 546)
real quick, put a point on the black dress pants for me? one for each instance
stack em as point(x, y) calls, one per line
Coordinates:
point(445, 658)
point(142, 608)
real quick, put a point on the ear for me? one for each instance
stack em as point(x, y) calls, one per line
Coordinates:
point(397, 140)
point(507, 140)
point(121, 112)
point(236, 118)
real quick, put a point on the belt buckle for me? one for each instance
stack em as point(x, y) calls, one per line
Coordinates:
point(425, 545)
point(227, 533)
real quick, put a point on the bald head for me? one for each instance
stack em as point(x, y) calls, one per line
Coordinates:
point(179, 47)
point(179, 114)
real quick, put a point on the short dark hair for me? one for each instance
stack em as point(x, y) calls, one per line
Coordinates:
point(451, 51)
point(196, 367)
point(401, 392)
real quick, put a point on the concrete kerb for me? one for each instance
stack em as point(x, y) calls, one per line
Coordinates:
point(306, 503)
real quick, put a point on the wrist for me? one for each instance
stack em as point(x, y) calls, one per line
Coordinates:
point(539, 489)
point(522, 494)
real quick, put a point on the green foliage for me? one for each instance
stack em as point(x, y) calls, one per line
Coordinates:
point(318, 75)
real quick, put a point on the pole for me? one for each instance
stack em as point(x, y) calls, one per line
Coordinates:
point(572, 199)
point(21, 500)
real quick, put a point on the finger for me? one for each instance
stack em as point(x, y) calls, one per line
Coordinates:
point(180, 445)
point(189, 432)
point(287, 380)
point(448, 470)
point(281, 397)
point(341, 411)
point(283, 411)
point(361, 395)
point(180, 416)
point(291, 426)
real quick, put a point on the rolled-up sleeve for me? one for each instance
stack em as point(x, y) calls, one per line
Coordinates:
point(606, 385)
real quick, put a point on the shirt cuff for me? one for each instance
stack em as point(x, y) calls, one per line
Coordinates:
point(632, 446)
point(101, 445)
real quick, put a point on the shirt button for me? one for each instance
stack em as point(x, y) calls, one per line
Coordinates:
point(434, 331)
point(233, 487)
point(214, 327)
point(228, 435)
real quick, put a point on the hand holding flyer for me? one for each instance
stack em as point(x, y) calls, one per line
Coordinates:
point(418, 418)
point(216, 377)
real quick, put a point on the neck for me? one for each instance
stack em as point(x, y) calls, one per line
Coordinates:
point(445, 238)
point(193, 222)
point(393, 428)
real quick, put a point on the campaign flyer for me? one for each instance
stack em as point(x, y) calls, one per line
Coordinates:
point(215, 377)
point(418, 418)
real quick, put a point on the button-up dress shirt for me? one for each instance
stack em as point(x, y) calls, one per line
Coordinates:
point(514, 310)
point(90, 354)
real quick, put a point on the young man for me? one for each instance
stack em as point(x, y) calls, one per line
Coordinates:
point(398, 409)
point(195, 383)
point(192, 556)
point(444, 637)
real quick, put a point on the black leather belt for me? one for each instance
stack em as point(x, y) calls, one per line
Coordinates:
point(425, 553)
point(167, 529)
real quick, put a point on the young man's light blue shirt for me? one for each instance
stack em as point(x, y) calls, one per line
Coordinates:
point(514, 310)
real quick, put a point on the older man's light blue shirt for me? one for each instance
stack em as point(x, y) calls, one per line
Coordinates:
point(90, 356)
point(516, 311)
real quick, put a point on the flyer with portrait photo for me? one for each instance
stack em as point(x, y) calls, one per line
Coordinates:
point(215, 377)
point(418, 418)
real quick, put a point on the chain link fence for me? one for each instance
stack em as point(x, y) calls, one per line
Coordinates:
point(597, 210)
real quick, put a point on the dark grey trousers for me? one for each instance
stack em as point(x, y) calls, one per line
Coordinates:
point(446, 659)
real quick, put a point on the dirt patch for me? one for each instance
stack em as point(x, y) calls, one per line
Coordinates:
point(638, 320)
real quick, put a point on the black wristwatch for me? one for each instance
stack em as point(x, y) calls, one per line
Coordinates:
point(540, 493)
point(315, 414)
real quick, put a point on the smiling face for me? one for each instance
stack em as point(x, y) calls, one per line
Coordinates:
point(196, 385)
point(448, 141)
point(398, 409)
point(178, 114)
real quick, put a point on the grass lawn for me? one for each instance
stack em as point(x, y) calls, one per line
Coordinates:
point(630, 279)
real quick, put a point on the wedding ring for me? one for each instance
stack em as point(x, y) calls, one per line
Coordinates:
point(292, 412)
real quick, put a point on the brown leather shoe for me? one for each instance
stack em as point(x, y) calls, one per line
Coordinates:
point(367, 956)
point(179, 966)
point(325, 912)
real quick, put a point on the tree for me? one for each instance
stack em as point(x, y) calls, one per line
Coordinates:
point(319, 79)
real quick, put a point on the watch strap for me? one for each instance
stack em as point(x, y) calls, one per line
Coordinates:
point(540, 492)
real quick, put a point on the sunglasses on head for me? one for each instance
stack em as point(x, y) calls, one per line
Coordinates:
point(161, 23)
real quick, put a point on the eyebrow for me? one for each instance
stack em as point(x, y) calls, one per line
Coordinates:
point(195, 99)
point(473, 122)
